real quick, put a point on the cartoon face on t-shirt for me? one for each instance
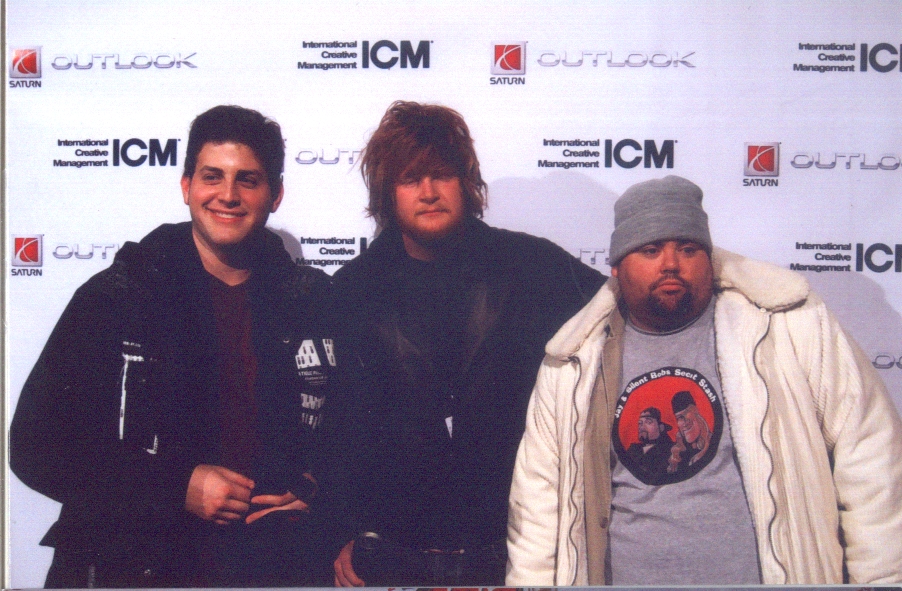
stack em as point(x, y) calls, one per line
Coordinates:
point(667, 425)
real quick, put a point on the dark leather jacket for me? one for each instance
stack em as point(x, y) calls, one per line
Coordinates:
point(396, 466)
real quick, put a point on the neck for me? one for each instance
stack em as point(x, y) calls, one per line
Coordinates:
point(419, 250)
point(430, 250)
point(232, 268)
point(649, 322)
point(658, 325)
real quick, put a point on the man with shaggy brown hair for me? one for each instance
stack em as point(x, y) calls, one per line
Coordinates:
point(448, 318)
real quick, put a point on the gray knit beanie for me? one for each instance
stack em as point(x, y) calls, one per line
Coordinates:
point(659, 209)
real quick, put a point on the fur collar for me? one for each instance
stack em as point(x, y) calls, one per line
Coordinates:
point(765, 285)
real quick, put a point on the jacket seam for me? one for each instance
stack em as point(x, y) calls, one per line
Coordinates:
point(770, 455)
point(574, 466)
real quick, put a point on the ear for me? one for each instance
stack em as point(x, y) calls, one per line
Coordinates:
point(186, 184)
point(614, 271)
point(278, 200)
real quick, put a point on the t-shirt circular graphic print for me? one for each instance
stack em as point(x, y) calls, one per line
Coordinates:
point(667, 426)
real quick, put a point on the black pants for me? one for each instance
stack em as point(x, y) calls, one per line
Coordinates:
point(382, 563)
point(276, 551)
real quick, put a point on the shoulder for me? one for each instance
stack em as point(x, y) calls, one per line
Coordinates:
point(526, 253)
point(285, 278)
point(764, 284)
point(130, 270)
point(548, 269)
point(303, 281)
point(518, 245)
point(374, 263)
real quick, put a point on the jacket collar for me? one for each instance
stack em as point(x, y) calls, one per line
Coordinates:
point(765, 285)
point(167, 256)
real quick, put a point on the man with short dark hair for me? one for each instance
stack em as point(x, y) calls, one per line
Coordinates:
point(786, 467)
point(448, 318)
point(172, 409)
point(652, 452)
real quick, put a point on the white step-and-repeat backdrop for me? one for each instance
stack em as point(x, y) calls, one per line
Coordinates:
point(787, 114)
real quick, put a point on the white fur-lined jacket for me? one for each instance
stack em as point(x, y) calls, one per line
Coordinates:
point(818, 439)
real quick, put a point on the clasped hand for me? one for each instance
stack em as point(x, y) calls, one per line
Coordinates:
point(223, 496)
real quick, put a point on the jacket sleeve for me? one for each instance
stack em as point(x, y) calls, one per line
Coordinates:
point(532, 529)
point(346, 486)
point(863, 426)
point(64, 436)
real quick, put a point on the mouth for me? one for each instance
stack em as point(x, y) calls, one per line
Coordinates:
point(670, 285)
point(432, 212)
point(226, 215)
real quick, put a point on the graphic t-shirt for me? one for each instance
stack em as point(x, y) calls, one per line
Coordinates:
point(679, 510)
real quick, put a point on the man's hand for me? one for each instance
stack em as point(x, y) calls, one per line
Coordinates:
point(218, 494)
point(286, 502)
point(344, 571)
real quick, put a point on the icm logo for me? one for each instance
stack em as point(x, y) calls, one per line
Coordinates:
point(25, 63)
point(386, 54)
point(135, 152)
point(28, 251)
point(509, 59)
point(629, 153)
point(880, 58)
point(878, 258)
point(140, 61)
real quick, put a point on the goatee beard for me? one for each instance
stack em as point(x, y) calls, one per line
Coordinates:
point(667, 318)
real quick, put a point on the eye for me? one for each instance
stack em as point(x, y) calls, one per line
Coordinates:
point(249, 181)
point(649, 251)
point(409, 182)
point(690, 249)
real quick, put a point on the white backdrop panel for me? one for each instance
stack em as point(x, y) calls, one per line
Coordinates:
point(703, 80)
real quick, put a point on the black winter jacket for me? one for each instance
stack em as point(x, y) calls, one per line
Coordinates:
point(394, 468)
point(140, 336)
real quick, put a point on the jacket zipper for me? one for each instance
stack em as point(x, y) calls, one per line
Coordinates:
point(573, 505)
point(124, 395)
point(770, 525)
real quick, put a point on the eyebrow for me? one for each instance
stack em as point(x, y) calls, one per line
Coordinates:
point(242, 171)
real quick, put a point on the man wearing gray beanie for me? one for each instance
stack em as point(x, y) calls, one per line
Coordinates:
point(785, 469)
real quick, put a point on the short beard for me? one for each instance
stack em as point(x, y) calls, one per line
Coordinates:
point(667, 319)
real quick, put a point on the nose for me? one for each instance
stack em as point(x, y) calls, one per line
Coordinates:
point(231, 194)
point(669, 258)
point(428, 191)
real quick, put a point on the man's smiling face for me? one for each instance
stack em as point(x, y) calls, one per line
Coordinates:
point(228, 196)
